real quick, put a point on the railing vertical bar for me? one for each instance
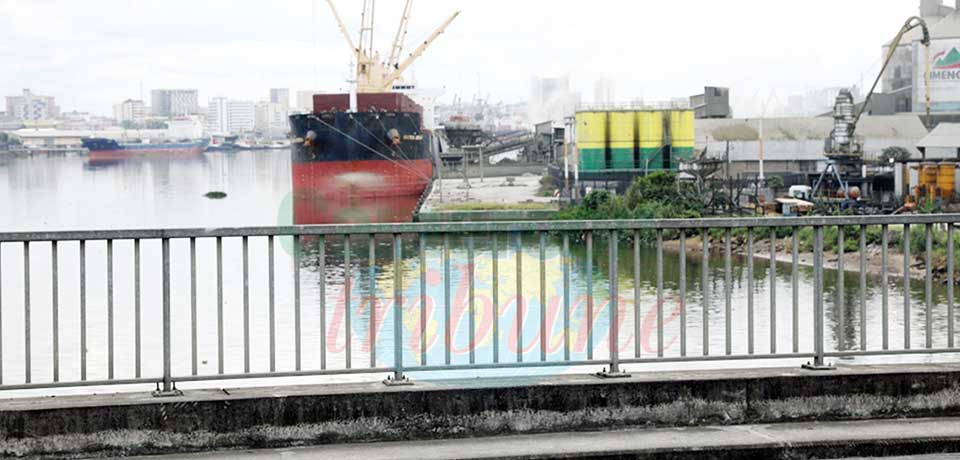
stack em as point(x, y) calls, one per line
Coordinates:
point(818, 296)
point(26, 312)
point(193, 306)
point(705, 287)
point(773, 291)
point(660, 300)
point(840, 300)
point(83, 313)
point(347, 313)
point(397, 308)
point(372, 297)
point(951, 279)
point(566, 297)
point(423, 299)
point(928, 288)
point(471, 273)
point(272, 302)
point(1, 312)
point(884, 286)
point(683, 292)
point(136, 305)
point(495, 256)
point(589, 236)
point(167, 344)
point(220, 338)
point(750, 289)
point(55, 314)
point(519, 251)
point(246, 305)
point(636, 293)
point(863, 287)
point(110, 354)
point(613, 303)
point(795, 286)
point(728, 290)
point(906, 286)
point(447, 335)
point(543, 296)
point(297, 332)
point(322, 278)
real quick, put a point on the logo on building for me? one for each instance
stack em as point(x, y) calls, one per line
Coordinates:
point(946, 66)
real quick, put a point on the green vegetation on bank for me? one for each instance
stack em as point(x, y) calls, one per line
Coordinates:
point(656, 196)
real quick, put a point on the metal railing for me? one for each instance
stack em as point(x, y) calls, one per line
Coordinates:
point(410, 300)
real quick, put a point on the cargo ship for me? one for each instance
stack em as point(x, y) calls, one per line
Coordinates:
point(109, 150)
point(364, 156)
point(371, 165)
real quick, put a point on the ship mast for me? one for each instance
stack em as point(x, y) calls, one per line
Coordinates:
point(374, 76)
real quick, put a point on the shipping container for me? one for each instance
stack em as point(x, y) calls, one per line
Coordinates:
point(623, 140)
point(377, 102)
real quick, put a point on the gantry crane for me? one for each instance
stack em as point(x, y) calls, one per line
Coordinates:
point(373, 75)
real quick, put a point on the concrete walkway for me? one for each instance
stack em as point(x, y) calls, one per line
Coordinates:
point(817, 440)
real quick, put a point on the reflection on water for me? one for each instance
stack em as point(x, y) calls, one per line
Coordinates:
point(63, 194)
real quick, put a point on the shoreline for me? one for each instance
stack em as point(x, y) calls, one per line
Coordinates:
point(761, 249)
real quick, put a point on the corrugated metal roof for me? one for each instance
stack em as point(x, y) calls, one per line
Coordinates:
point(945, 135)
point(907, 127)
point(802, 139)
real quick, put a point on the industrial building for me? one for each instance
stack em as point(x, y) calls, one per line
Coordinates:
point(903, 80)
point(32, 107)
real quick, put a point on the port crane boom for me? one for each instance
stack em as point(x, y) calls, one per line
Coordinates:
point(419, 51)
point(374, 76)
point(394, 60)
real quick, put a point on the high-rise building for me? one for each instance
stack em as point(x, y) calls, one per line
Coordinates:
point(280, 96)
point(130, 111)
point(603, 91)
point(32, 107)
point(174, 102)
point(269, 115)
point(228, 116)
point(552, 100)
point(305, 100)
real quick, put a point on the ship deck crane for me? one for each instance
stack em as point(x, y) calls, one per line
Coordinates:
point(374, 76)
point(842, 148)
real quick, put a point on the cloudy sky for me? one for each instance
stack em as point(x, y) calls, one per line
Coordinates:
point(91, 54)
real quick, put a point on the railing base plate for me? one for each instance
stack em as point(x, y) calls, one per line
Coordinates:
point(612, 375)
point(819, 367)
point(167, 394)
point(391, 382)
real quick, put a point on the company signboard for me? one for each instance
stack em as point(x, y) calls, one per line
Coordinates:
point(944, 59)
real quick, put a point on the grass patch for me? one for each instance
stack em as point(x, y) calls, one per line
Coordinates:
point(495, 207)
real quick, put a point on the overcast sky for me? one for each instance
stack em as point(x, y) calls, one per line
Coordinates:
point(91, 54)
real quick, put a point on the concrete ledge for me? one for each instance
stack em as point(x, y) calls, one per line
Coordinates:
point(126, 424)
point(742, 442)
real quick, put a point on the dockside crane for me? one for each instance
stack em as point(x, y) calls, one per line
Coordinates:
point(844, 149)
point(372, 75)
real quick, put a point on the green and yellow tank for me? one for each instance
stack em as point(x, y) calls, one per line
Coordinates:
point(592, 139)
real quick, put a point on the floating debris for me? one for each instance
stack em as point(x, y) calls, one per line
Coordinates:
point(216, 195)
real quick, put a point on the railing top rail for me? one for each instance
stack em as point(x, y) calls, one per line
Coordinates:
point(482, 227)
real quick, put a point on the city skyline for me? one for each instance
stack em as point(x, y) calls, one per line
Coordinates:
point(243, 60)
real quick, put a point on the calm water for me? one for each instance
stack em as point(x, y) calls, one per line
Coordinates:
point(68, 194)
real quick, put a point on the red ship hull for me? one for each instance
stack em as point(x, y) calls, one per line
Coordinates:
point(358, 191)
